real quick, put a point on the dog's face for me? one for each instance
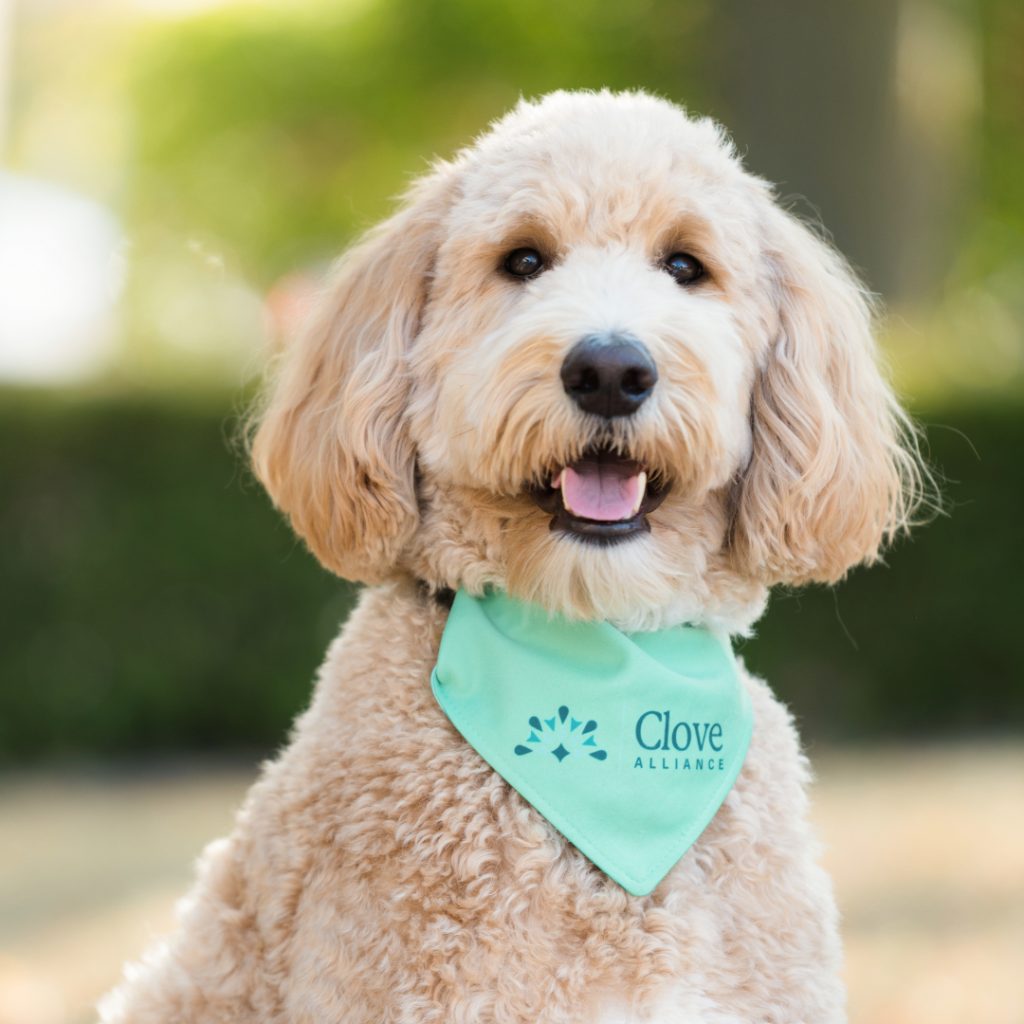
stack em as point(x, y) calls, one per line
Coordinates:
point(590, 361)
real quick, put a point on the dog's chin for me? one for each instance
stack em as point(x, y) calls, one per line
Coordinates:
point(601, 498)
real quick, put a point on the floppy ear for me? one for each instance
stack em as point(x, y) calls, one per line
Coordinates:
point(331, 446)
point(835, 471)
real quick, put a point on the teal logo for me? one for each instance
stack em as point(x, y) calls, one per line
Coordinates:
point(561, 735)
point(656, 730)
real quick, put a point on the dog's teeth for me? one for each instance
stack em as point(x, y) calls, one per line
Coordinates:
point(557, 481)
point(565, 500)
point(641, 490)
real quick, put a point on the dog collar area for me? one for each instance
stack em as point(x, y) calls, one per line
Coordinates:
point(627, 744)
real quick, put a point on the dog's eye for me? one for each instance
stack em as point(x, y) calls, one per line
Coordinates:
point(683, 267)
point(524, 262)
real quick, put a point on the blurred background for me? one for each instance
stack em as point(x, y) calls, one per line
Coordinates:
point(174, 175)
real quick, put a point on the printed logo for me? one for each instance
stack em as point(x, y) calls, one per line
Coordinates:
point(562, 735)
point(681, 745)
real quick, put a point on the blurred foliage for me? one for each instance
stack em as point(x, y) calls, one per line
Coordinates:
point(269, 135)
point(153, 601)
point(1001, 185)
point(252, 139)
point(281, 131)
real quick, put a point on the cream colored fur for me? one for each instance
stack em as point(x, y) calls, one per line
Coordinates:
point(380, 871)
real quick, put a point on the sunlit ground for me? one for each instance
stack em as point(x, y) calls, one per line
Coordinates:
point(926, 847)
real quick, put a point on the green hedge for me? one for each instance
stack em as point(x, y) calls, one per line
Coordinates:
point(152, 601)
point(925, 644)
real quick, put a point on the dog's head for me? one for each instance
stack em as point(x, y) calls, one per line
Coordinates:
point(591, 361)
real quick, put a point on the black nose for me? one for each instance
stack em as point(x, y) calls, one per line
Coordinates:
point(609, 376)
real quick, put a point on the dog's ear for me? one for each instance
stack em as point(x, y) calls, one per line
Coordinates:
point(834, 472)
point(331, 444)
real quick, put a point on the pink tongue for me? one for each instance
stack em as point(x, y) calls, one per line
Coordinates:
point(596, 491)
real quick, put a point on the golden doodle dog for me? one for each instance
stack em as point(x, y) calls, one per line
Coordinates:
point(590, 369)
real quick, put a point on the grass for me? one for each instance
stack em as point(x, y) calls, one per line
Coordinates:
point(926, 847)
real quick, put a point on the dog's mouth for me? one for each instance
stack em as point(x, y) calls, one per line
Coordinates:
point(603, 497)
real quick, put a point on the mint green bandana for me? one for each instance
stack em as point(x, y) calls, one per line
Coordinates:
point(626, 742)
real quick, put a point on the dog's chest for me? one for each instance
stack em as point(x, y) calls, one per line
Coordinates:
point(447, 894)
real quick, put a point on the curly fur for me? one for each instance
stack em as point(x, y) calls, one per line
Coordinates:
point(379, 870)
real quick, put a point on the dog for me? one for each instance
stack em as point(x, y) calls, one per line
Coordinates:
point(595, 286)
